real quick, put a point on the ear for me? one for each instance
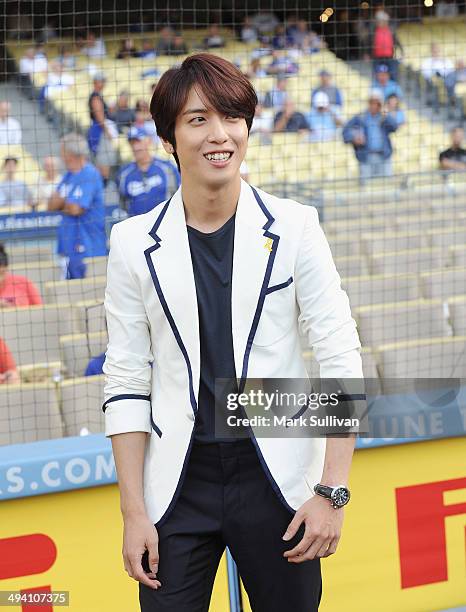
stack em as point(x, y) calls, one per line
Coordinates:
point(167, 146)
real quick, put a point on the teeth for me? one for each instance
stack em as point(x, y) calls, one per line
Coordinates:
point(218, 156)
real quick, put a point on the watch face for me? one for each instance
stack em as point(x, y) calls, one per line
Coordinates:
point(340, 496)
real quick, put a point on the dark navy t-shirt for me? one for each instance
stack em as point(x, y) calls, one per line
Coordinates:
point(212, 257)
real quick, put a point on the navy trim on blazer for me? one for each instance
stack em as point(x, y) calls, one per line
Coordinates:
point(125, 396)
point(157, 430)
point(252, 333)
point(163, 302)
point(280, 286)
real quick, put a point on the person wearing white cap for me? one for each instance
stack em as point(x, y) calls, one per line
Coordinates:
point(323, 121)
point(369, 133)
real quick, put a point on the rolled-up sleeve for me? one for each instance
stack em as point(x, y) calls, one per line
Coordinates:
point(325, 315)
point(127, 366)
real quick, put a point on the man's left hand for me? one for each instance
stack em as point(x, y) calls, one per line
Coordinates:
point(322, 533)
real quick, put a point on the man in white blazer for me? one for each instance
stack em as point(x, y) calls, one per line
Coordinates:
point(218, 282)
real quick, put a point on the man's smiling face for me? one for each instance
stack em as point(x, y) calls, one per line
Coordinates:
point(210, 145)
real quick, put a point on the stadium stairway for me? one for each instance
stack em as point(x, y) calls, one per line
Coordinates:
point(40, 138)
point(411, 99)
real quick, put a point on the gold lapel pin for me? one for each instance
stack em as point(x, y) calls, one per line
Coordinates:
point(268, 244)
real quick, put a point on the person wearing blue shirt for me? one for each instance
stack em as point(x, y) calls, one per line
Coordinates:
point(147, 181)
point(327, 87)
point(387, 86)
point(95, 365)
point(80, 199)
point(322, 120)
point(369, 134)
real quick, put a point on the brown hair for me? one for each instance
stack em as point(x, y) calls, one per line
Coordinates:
point(224, 86)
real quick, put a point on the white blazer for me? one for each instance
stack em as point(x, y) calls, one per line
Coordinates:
point(284, 281)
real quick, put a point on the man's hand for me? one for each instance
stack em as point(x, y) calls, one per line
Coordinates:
point(139, 534)
point(322, 532)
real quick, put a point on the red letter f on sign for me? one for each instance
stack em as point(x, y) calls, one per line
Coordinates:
point(421, 530)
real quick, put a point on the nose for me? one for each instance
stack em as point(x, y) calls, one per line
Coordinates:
point(217, 132)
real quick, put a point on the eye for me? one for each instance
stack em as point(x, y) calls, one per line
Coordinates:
point(232, 117)
point(193, 120)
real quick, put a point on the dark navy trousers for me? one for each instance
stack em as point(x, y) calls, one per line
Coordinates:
point(226, 499)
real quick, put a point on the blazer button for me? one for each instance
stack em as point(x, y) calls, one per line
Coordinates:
point(191, 416)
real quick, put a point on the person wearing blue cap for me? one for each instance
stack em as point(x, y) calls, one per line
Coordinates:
point(385, 83)
point(147, 180)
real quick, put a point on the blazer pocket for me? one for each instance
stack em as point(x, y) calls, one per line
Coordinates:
point(278, 314)
point(279, 286)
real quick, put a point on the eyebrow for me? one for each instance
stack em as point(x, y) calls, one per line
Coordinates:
point(190, 111)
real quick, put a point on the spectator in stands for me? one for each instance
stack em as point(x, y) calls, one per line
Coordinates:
point(147, 181)
point(290, 120)
point(276, 97)
point(57, 80)
point(29, 65)
point(304, 39)
point(13, 192)
point(297, 30)
point(264, 22)
point(144, 120)
point(95, 365)
point(369, 133)
point(262, 124)
point(327, 87)
point(436, 64)
point(15, 290)
point(10, 128)
point(255, 70)
point(166, 40)
point(179, 47)
point(323, 122)
point(214, 39)
point(458, 75)
point(387, 86)
point(127, 49)
point(67, 58)
point(122, 113)
point(94, 47)
point(49, 180)
point(363, 32)
point(148, 50)
point(248, 31)
point(446, 8)
point(33, 62)
point(454, 158)
point(8, 371)
point(103, 130)
point(384, 42)
point(392, 104)
point(79, 197)
point(282, 63)
point(280, 39)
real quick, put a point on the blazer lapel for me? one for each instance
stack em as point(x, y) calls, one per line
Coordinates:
point(170, 266)
point(255, 247)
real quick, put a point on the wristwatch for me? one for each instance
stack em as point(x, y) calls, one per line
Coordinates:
point(338, 495)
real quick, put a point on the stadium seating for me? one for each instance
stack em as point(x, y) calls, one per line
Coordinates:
point(82, 400)
point(378, 289)
point(33, 334)
point(443, 283)
point(61, 292)
point(29, 412)
point(457, 309)
point(78, 349)
point(383, 323)
point(427, 358)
